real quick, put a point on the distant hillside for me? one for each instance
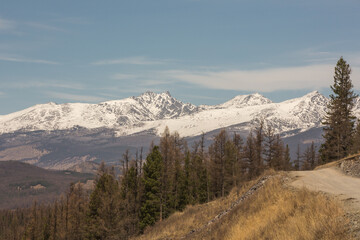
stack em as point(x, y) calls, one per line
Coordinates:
point(21, 184)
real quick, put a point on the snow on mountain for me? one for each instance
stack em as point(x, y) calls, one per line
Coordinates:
point(152, 111)
point(111, 114)
point(300, 113)
point(164, 106)
point(245, 101)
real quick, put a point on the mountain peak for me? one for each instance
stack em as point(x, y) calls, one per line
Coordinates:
point(163, 105)
point(241, 101)
point(313, 93)
point(153, 95)
point(315, 96)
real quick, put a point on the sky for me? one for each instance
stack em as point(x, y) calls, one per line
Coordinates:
point(202, 51)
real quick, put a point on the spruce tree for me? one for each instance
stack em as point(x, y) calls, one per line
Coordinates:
point(152, 197)
point(339, 121)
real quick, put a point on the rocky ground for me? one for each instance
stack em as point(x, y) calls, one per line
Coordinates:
point(351, 166)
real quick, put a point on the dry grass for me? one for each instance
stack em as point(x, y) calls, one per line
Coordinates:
point(274, 212)
point(338, 162)
point(279, 213)
point(193, 217)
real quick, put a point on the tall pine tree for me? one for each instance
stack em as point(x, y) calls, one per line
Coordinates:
point(339, 121)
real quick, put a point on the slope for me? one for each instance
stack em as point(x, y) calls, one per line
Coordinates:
point(267, 211)
point(337, 179)
point(21, 184)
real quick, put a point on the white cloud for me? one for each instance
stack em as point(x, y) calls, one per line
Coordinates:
point(75, 97)
point(44, 84)
point(26, 60)
point(130, 61)
point(292, 78)
point(6, 24)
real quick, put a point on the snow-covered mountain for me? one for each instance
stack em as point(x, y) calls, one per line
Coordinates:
point(246, 111)
point(116, 114)
point(245, 101)
point(153, 111)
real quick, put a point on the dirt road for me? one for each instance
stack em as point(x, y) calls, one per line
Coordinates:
point(336, 183)
point(330, 180)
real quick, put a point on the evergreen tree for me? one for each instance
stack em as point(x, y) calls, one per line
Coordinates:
point(339, 121)
point(152, 197)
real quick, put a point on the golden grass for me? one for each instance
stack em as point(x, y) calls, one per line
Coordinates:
point(274, 212)
point(279, 213)
point(180, 224)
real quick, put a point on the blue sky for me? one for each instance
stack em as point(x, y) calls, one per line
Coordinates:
point(202, 51)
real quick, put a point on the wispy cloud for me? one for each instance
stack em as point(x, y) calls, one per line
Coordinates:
point(146, 78)
point(15, 27)
point(43, 26)
point(121, 76)
point(71, 20)
point(317, 56)
point(43, 84)
point(6, 24)
point(267, 80)
point(131, 61)
point(26, 60)
point(75, 97)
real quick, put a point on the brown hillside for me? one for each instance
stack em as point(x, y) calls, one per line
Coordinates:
point(272, 212)
point(21, 184)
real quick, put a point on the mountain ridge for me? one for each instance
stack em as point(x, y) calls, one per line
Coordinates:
point(153, 111)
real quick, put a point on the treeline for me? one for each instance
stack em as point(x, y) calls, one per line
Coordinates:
point(173, 176)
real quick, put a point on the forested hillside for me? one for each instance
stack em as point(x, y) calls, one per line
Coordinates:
point(173, 176)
